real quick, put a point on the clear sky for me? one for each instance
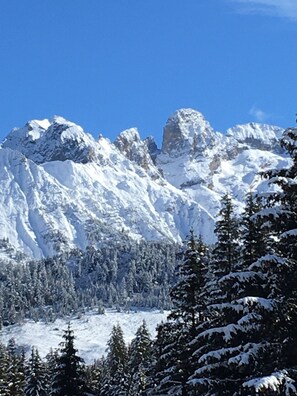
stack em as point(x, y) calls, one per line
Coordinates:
point(113, 64)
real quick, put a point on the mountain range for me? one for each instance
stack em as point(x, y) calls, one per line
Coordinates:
point(61, 188)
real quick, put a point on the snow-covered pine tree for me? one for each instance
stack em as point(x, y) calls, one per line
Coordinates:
point(115, 376)
point(188, 306)
point(51, 362)
point(15, 369)
point(139, 359)
point(187, 313)
point(68, 377)
point(36, 379)
point(226, 252)
point(163, 376)
point(4, 365)
point(280, 267)
point(94, 375)
point(227, 342)
point(252, 230)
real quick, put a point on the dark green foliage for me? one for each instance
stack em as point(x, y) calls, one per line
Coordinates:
point(174, 345)
point(94, 375)
point(253, 232)
point(226, 251)
point(186, 294)
point(4, 366)
point(15, 369)
point(115, 376)
point(36, 378)
point(68, 373)
point(140, 355)
point(163, 375)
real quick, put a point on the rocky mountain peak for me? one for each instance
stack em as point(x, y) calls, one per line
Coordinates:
point(152, 147)
point(52, 140)
point(130, 144)
point(187, 130)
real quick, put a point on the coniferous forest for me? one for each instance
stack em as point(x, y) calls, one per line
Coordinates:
point(232, 327)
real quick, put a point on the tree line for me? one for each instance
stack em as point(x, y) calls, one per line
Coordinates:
point(131, 275)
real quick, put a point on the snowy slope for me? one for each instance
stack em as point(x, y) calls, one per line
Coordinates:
point(91, 330)
point(48, 204)
point(61, 188)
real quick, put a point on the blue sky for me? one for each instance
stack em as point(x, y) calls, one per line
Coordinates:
point(113, 64)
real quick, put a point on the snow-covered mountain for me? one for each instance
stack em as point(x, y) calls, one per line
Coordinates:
point(61, 188)
point(206, 164)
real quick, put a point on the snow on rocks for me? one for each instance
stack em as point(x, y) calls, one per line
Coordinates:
point(62, 188)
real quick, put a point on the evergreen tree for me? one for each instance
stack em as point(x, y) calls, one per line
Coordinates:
point(115, 381)
point(226, 250)
point(4, 365)
point(164, 378)
point(94, 376)
point(51, 362)
point(232, 332)
point(68, 379)
point(15, 369)
point(186, 294)
point(252, 231)
point(188, 312)
point(225, 255)
point(139, 359)
point(36, 377)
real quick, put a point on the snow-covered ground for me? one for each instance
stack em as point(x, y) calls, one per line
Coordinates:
point(91, 330)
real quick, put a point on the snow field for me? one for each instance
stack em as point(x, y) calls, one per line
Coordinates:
point(91, 330)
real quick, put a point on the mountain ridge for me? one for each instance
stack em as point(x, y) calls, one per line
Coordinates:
point(63, 189)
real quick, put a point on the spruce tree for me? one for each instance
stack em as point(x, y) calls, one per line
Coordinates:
point(4, 365)
point(139, 360)
point(15, 369)
point(68, 376)
point(115, 381)
point(226, 250)
point(164, 378)
point(36, 380)
point(225, 255)
point(188, 306)
point(94, 376)
point(231, 332)
point(188, 312)
point(252, 231)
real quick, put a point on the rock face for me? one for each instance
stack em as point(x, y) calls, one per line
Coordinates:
point(52, 140)
point(188, 131)
point(136, 150)
point(61, 188)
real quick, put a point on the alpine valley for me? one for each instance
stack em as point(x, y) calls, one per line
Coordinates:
point(63, 189)
point(91, 232)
